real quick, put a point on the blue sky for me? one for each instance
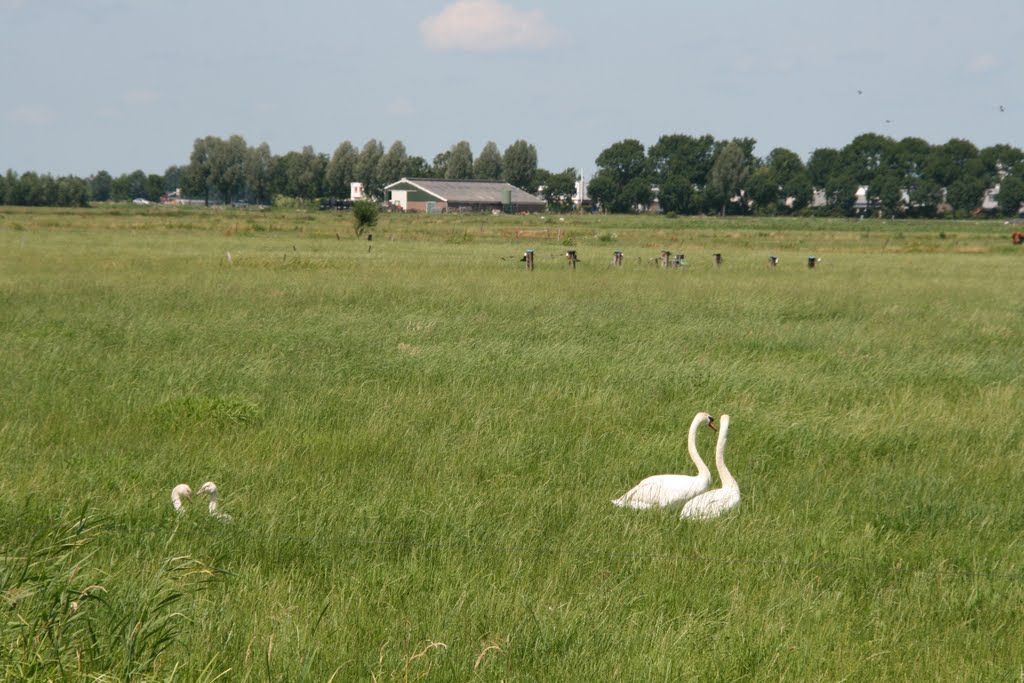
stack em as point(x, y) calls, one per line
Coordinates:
point(129, 84)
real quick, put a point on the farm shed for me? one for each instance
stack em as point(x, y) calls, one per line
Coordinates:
point(436, 195)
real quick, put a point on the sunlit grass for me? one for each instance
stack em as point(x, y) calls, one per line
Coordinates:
point(419, 442)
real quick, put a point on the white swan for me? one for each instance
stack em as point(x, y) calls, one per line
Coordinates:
point(210, 490)
point(672, 489)
point(716, 502)
point(177, 493)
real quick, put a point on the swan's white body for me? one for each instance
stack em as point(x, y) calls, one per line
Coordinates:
point(716, 502)
point(210, 490)
point(663, 490)
point(178, 493)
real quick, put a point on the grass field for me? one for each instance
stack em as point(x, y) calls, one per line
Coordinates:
point(419, 445)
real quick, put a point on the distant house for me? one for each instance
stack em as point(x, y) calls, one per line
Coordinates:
point(433, 195)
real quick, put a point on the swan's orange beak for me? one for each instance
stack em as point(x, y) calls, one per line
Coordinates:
point(711, 424)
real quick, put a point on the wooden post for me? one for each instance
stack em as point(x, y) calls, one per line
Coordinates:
point(666, 256)
point(528, 258)
point(616, 258)
point(811, 261)
point(773, 261)
point(571, 256)
point(718, 259)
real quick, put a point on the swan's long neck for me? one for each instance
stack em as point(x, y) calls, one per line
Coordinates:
point(723, 472)
point(691, 446)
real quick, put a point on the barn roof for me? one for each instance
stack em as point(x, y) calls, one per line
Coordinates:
point(469, 191)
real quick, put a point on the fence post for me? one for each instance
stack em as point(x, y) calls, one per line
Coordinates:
point(718, 259)
point(528, 258)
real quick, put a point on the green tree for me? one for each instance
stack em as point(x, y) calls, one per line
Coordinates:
point(439, 168)
point(417, 167)
point(259, 173)
point(621, 165)
point(72, 191)
point(366, 168)
point(488, 165)
point(602, 190)
point(11, 188)
point(129, 186)
point(391, 166)
point(305, 173)
point(676, 194)
point(172, 178)
point(952, 161)
point(226, 160)
point(887, 192)
point(341, 170)
point(681, 156)
point(1011, 195)
point(822, 165)
point(867, 155)
point(636, 195)
point(965, 193)
point(559, 189)
point(460, 162)
point(924, 195)
point(729, 173)
point(763, 189)
point(364, 216)
point(1001, 160)
point(100, 186)
point(791, 177)
point(154, 187)
point(196, 179)
point(519, 163)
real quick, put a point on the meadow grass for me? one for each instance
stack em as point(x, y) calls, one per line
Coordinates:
point(419, 444)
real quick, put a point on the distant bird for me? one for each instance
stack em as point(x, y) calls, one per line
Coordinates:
point(716, 502)
point(663, 490)
point(1002, 108)
point(177, 493)
point(860, 92)
point(888, 120)
point(210, 490)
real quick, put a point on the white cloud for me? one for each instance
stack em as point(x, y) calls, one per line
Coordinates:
point(33, 114)
point(485, 26)
point(981, 63)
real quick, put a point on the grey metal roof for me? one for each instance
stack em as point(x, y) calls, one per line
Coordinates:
point(470, 191)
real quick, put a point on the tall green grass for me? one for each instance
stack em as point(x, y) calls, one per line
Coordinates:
point(419, 444)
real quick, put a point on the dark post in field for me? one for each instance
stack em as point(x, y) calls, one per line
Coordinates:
point(616, 258)
point(718, 259)
point(369, 243)
point(811, 260)
point(528, 258)
point(571, 256)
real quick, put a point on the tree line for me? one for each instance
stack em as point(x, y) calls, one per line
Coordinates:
point(230, 170)
point(908, 177)
point(685, 174)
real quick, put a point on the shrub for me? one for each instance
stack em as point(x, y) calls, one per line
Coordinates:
point(364, 215)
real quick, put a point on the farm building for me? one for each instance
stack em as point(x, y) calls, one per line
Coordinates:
point(435, 195)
